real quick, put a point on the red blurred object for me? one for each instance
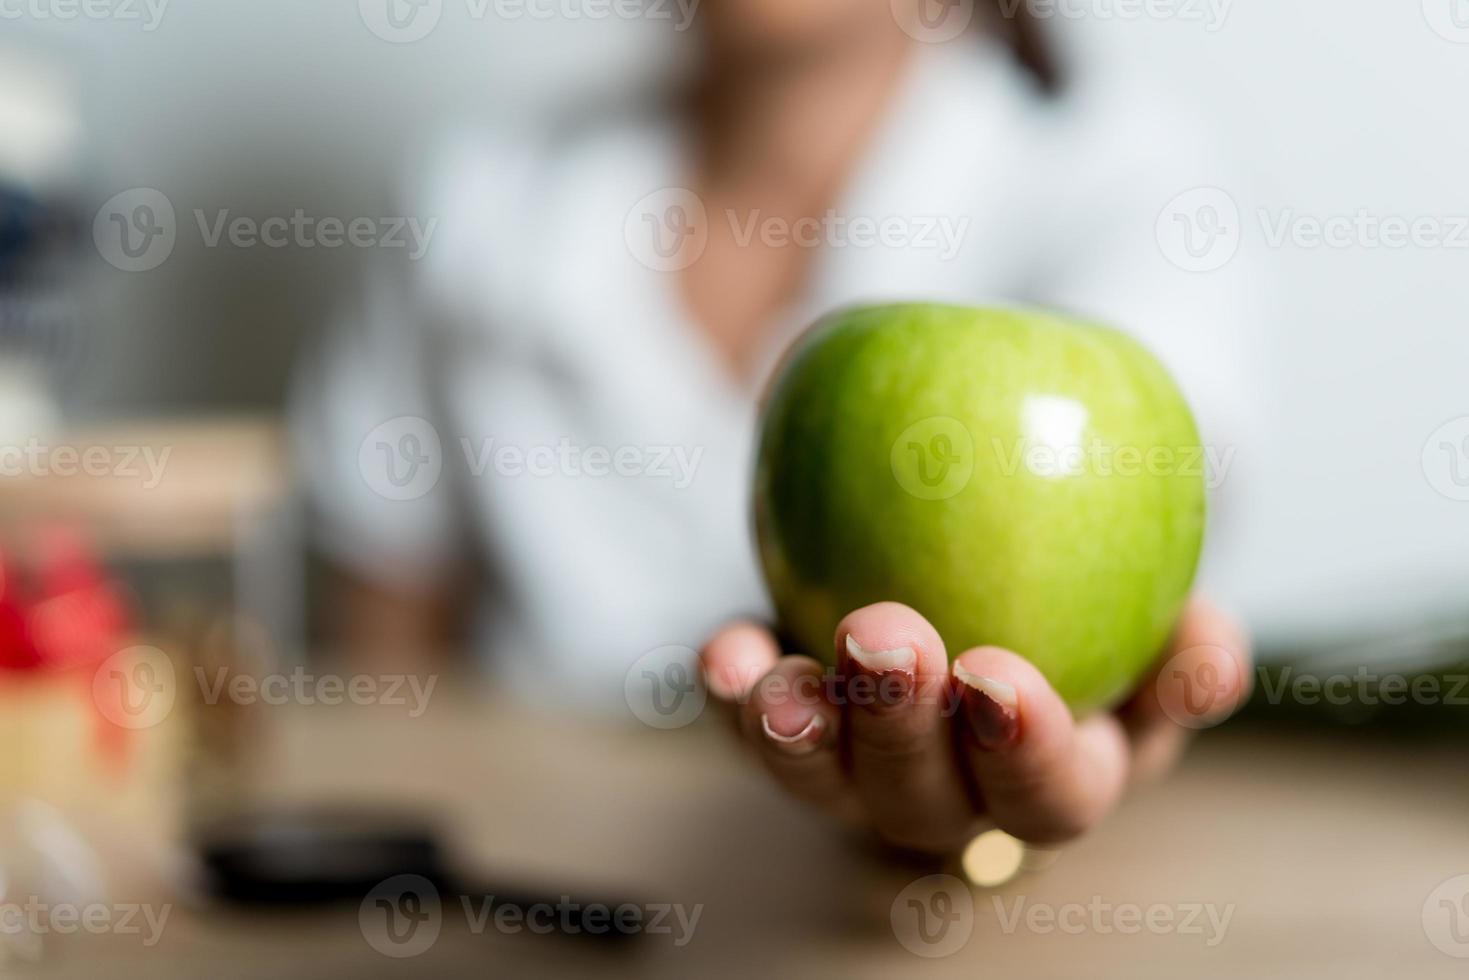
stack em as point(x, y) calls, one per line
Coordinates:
point(63, 617)
point(66, 614)
point(17, 652)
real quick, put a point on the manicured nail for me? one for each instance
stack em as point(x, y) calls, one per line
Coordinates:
point(992, 708)
point(802, 742)
point(891, 673)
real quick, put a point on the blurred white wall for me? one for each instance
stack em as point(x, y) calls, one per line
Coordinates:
point(1328, 107)
point(264, 106)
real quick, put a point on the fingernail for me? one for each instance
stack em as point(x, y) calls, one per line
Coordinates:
point(991, 707)
point(893, 672)
point(802, 742)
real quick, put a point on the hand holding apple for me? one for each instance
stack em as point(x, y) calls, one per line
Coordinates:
point(899, 741)
point(936, 479)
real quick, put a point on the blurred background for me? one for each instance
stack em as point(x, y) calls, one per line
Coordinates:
point(1325, 109)
point(1351, 547)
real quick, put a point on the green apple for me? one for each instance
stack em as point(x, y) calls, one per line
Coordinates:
point(1021, 478)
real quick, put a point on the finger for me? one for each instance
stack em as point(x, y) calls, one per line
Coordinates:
point(733, 661)
point(794, 725)
point(902, 754)
point(1207, 675)
point(1045, 778)
point(1156, 748)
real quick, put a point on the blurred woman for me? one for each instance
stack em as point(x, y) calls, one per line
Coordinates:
point(561, 393)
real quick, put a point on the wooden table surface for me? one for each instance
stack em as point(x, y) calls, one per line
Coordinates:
point(1321, 849)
